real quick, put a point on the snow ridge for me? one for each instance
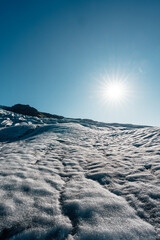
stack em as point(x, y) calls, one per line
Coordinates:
point(78, 179)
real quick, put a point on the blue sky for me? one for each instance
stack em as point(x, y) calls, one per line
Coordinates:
point(55, 55)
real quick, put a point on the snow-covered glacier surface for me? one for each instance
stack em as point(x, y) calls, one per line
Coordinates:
point(78, 179)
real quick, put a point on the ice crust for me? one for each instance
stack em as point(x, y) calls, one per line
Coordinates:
point(78, 179)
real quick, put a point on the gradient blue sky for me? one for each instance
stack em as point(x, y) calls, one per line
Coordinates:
point(55, 55)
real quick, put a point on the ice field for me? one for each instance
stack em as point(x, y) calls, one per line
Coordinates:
point(78, 179)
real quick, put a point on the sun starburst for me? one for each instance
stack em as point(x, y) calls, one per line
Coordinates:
point(114, 90)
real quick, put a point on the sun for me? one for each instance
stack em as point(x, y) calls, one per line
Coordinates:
point(115, 91)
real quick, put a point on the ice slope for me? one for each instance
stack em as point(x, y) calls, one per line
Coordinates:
point(78, 179)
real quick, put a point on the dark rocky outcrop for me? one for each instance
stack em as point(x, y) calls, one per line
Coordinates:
point(30, 111)
point(25, 110)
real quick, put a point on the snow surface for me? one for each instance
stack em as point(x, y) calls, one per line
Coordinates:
point(78, 179)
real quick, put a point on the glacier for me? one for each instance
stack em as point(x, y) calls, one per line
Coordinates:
point(78, 179)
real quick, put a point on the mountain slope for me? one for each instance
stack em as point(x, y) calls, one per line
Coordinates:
point(78, 179)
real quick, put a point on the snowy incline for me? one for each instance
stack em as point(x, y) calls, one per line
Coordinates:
point(78, 179)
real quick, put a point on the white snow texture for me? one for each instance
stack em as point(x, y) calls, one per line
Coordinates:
point(78, 179)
